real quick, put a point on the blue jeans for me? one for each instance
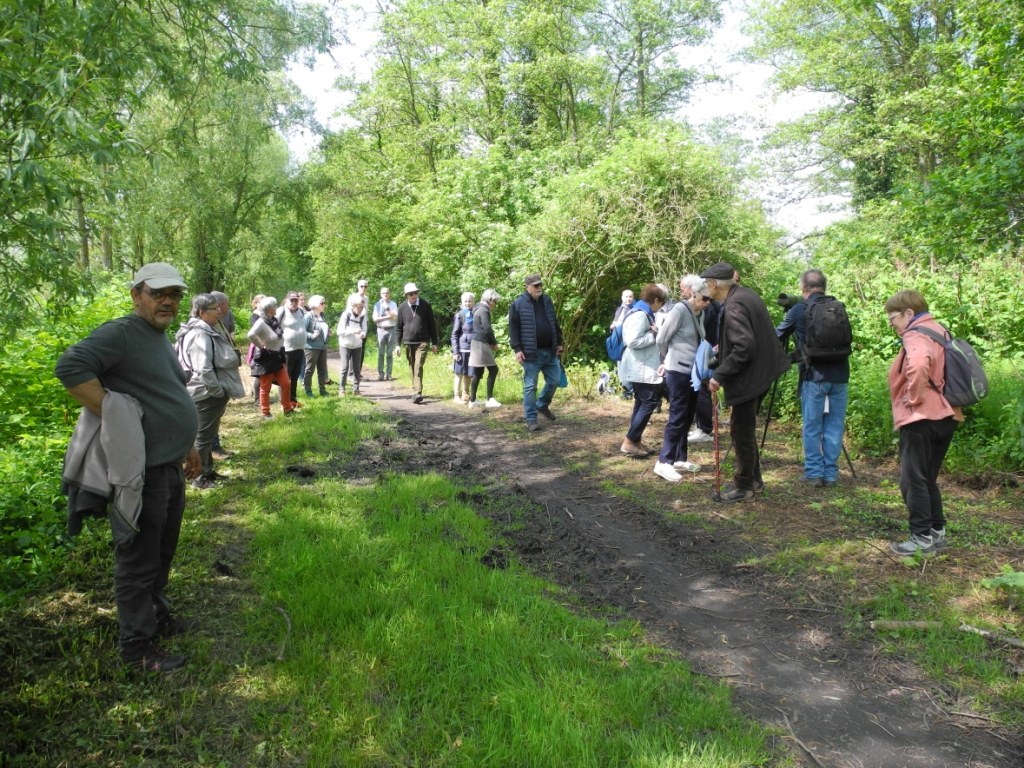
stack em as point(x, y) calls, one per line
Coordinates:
point(823, 431)
point(547, 362)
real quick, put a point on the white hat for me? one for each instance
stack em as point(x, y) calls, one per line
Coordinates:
point(410, 288)
point(316, 300)
point(157, 275)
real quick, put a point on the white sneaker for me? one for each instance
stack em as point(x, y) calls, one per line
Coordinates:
point(687, 466)
point(475, 404)
point(666, 471)
point(492, 403)
point(698, 436)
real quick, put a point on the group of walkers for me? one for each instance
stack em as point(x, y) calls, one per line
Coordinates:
point(719, 336)
point(152, 410)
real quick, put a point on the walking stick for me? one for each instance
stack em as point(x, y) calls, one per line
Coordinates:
point(717, 496)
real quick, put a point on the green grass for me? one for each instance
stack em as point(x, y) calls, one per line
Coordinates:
point(350, 622)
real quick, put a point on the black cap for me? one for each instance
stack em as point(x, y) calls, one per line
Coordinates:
point(721, 271)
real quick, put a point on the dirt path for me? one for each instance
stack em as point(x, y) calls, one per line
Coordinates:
point(790, 666)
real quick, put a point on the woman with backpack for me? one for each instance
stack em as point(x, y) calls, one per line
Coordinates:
point(640, 366)
point(351, 332)
point(923, 417)
point(209, 360)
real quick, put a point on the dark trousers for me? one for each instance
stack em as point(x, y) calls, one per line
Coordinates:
point(210, 412)
point(682, 403)
point(492, 374)
point(142, 566)
point(743, 430)
point(923, 446)
point(704, 417)
point(316, 360)
point(293, 362)
point(351, 365)
point(646, 397)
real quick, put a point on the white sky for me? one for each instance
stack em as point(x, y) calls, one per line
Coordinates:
point(741, 98)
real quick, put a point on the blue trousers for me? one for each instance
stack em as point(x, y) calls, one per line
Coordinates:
point(547, 362)
point(823, 407)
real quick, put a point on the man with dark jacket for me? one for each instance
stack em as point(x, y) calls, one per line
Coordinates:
point(536, 338)
point(133, 356)
point(416, 329)
point(824, 389)
point(750, 358)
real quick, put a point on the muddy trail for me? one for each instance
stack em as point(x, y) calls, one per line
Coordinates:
point(835, 700)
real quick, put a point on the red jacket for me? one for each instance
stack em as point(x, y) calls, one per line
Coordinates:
point(917, 376)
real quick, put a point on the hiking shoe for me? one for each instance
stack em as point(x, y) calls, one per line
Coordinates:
point(734, 495)
point(532, 426)
point(492, 403)
point(917, 544)
point(150, 657)
point(938, 538)
point(220, 454)
point(814, 482)
point(687, 466)
point(173, 626)
point(698, 436)
point(632, 449)
point(546, 413)
point(204, 483)
point(664, 470)
point(759, 486)
point(418, 399)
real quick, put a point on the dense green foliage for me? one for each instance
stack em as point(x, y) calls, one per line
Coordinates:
point(95, 95)
point(490, 140)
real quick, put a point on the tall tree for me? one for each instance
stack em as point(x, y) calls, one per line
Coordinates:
point(73, 75)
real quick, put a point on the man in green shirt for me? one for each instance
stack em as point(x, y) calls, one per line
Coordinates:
point(132, 355)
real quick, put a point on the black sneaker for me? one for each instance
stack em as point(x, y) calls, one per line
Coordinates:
point(150, 657)
point(734, 495)
point(418, 399)
point(546, 413)
point(172, 626)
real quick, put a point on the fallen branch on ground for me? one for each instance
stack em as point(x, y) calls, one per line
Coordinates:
point(884, 625)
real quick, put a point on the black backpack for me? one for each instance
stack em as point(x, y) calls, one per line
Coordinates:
point(828, 337)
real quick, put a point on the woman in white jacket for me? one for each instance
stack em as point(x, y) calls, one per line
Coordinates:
point(211, 363)
point(640, 364)
point(351, 332)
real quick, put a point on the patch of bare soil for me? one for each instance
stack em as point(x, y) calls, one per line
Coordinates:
point(620, 538)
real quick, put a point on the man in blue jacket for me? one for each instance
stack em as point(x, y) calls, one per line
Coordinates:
point(536, 338)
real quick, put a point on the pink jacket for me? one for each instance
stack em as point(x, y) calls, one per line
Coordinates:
point(917, 375)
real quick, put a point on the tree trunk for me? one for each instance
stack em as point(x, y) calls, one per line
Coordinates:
point(83, 232)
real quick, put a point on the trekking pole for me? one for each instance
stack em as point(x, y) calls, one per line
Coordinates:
point(768, 416)
point(717, 496)
point(849, 463)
